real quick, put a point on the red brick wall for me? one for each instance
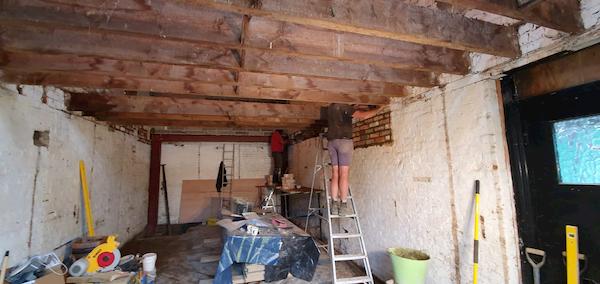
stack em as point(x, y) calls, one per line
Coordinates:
point(376, 130)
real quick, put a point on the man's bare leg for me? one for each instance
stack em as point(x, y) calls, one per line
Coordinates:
point(343, 181)
point(334, 183)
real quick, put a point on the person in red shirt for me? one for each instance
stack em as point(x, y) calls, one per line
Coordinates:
point(277, 146)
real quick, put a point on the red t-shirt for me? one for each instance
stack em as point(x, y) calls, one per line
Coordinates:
point(276, 142)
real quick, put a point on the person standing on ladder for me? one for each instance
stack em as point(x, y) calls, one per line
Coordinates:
point(340, 146)
point(277, 145)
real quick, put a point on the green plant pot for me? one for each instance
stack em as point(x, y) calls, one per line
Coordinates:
point(410, 266)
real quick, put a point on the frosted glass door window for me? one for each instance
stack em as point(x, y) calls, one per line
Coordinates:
point(577, 148)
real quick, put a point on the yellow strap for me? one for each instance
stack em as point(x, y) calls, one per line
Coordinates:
point(86, 201)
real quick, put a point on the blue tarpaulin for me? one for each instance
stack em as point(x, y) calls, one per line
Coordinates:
point(247, 249)
point(281, 250)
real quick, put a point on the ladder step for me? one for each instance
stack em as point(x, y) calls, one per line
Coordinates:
point(345, 236)
point(344, 216)
point(353, 280)
point(348, 257)
point(348, 197)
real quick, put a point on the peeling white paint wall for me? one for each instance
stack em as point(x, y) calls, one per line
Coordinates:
point(40, 188)
point(200, 160)
point(418, 193)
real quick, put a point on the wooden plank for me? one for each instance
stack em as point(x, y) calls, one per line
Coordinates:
point(383, 18)
point(562, 15)
point(122, 116)
point(275, 63)
point(207, 124)
point(311, 96)
point(259, 33)
point(325, 84)
point(34, 62)
point(166, 105)
point(293, 38)
point(117, 46)
point(46, 39)
point(85, 80)
point(198, 197)
point(162, 18)
point(569, 71)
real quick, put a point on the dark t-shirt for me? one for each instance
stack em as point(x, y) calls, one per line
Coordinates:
point(339, 121)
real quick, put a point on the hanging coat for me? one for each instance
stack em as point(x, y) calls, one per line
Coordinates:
point(221, 177)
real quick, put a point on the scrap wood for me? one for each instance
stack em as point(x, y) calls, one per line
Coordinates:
point(250, 215)
point(100, 277)
point(229, 225)
point(210, 258)
point(249, 268)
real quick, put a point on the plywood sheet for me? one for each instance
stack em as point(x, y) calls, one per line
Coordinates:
point(200, 199)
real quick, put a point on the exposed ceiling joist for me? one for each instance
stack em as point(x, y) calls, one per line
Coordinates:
point(218, 29)
point(385, 18)
point(562, 15)
point(129, 47)
point(73, 79)
point(169, 105)
point(575, 69)
point(30, 62)
point(191, 120)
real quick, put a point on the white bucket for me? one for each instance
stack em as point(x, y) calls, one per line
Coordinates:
point(148, 262)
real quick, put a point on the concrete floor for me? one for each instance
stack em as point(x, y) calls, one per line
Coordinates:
point(180, 257)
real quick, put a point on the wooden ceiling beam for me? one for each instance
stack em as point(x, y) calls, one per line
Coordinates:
point(273, 35)
point(44, 62)
point(170, 105)
point(571, 70)
point(382, 18)
point(281, 64)
point(203, 124)
point(43, 39)
point(84, 80)
point(562, 15)
point(214, 28)
point(199, 120)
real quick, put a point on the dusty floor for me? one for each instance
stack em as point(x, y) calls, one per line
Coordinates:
point(179, 257)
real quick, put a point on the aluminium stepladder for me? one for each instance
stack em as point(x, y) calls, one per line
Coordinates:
point(323, 167)
point(228, 159)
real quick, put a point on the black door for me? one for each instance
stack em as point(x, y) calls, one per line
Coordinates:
point(554, 144)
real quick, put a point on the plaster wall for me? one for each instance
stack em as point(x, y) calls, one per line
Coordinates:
point(419, 191)
point(200, 160)
point(40, 187)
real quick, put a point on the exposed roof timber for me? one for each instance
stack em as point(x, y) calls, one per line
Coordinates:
point(44, 39)
point(35, 62)
point(218, 29)
point(203, 124)
point(575, 69)
point(201, 120)
point(562, 15)
point(168, 105)
point(388, 19)
point(82, 79)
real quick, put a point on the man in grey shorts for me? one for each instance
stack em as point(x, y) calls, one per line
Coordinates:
point(339, 137)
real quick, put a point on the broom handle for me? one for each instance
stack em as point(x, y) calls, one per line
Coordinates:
point(476, 235)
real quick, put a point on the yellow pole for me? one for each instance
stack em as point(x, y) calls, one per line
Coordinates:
point(572, 255)
point(86, 201)
point(476, 235)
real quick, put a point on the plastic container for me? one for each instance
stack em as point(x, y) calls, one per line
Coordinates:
point(410, 266)
point(149, 262)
